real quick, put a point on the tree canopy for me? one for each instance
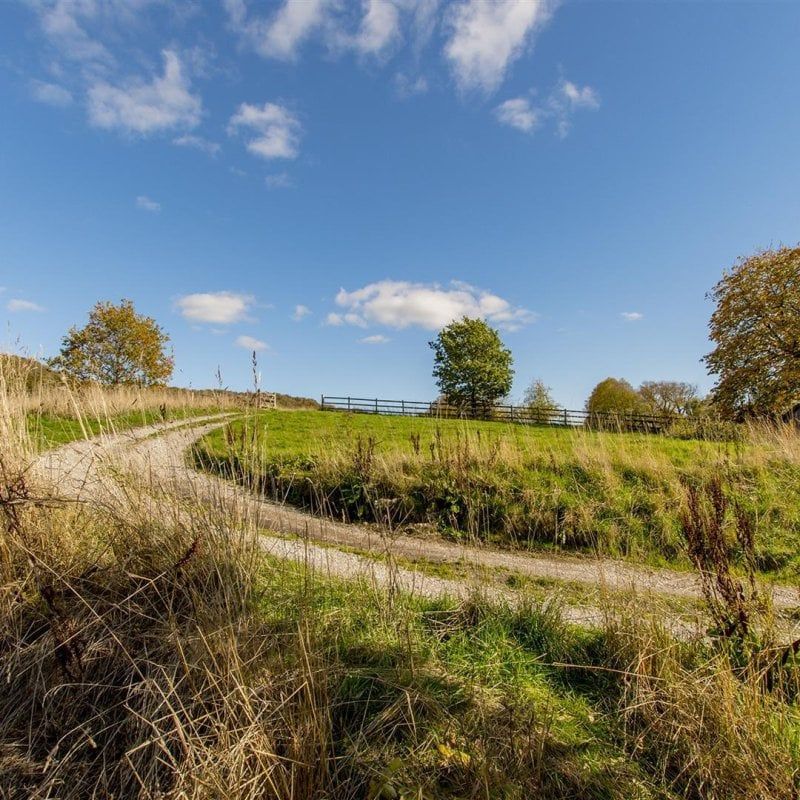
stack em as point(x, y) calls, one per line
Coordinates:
point(614, 396)
point(670, 397)
point(538, 398)
point(116, 346)
point(756, 330)
point(472, 366)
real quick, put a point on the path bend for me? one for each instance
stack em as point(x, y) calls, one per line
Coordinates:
point(92, 471)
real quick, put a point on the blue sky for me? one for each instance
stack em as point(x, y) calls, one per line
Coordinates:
point(331, 181)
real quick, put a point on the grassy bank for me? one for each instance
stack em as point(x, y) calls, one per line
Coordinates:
point(616, 494)
point(48, 430)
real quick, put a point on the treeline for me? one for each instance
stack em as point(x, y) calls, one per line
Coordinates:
point(755, 328)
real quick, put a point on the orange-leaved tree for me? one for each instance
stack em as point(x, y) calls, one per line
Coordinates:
point(756, 332)
point(116, 346)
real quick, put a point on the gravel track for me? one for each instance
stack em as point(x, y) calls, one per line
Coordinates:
point(90, 471)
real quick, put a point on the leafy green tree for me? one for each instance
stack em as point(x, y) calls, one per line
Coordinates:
point(116, 346)
point(614, 396)
point(472, 366)
point(538, 399)
point(669, 397)
point(756, 330)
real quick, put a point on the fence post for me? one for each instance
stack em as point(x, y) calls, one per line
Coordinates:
point(348, 403)
point(566, 422)
point(402, 408)
point(376, 405)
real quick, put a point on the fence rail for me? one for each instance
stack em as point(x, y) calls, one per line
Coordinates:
point(561, 417)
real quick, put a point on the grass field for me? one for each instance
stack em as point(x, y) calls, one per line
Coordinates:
point(50, 430)
point(147, 658)
point(618, 494)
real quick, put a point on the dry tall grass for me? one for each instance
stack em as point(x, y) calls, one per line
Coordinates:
point(158, 656)
point(32, 388)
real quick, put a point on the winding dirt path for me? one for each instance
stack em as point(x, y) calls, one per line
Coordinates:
point(100, 470)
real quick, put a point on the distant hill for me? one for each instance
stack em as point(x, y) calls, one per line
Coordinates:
point(290, 401)
point(36, 375)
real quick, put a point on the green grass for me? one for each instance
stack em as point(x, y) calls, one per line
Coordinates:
point(48, 430)
point(531, 487)
point(454, 696)
point(301, 434)
point(440, 699)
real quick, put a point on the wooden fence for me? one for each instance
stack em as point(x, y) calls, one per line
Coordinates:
point(562, 417)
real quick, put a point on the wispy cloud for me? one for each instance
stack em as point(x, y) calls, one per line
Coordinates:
point(336, 320)
point(558, 106)
point(569, 98)
point(301, 312)
point(379, 28)
point(401, 304)
point(276, 130)
point(164, 103)
point(280, 34)
point(146, 204)
point(197, 143)
point(280, 180)
point(17, 305)
point(579, 96)
point(51, 94)
point(222, 308)
point(518, 113)
point(251, 343)
point(64, 23)
point(378, 338)
point(486, 37)
point(632, 316)
point(406, 86)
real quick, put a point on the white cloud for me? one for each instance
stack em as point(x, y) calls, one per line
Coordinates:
point(378, 338)
point(559, 106)
point(277, 130)
point(63, 23)
point(568, 98)
point(281, 34)
point(51, 94)
point(518, 113)
point(146, 204)
point(138, 107)
point(279, 180)
point(379, 28)
point(197, 143)
point(632, 316)
point(219, 307)
point(488, 36)
point(300, 312)
point(23, 305)
point(251, 343)
point(579, 96)
point(400, 304)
